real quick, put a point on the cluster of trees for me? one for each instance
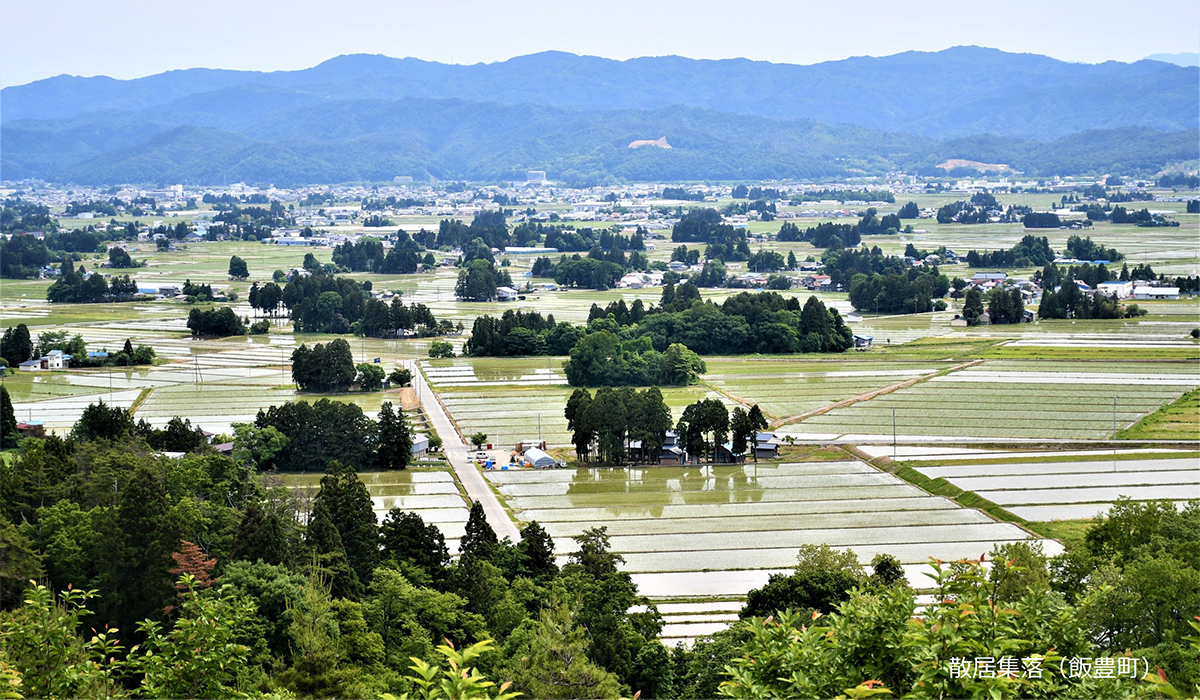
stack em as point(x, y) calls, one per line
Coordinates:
point(379, 320)
point(215, 323)
point(567, 240)
point(18, 215)
point(79, 287)
point(16, 345)
point(823, 235)
point(367, 255)
point(1052, 275)
point(911, 291)
point(703, 427)
point(266, 298)
point(1029, 251)
point(832, 235)
point(1142, 218)
point(1041, 220)
point(683, 194)
point(321, 303)
point(976, 211)
point(489, 226)
point(723, 241)
point(518, 333)
point(120, 258)
point(842, 264)
point(599, 270)
point(845, 196)
point(1071, 302)
point(609, 421)
point(762, 322)
point(22, 256)
point(478, 280)
point(766, 210)
point(303, 436)
point(324, 367)
point(603, 358)
point(909, 211)
point(1086, 249)
point(1006, 306)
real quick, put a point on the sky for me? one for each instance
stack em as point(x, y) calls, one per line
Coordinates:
point(133, 38)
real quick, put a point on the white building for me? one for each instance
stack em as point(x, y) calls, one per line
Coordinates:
point(506, 294)
point(1116, 289)
point(1156, 293)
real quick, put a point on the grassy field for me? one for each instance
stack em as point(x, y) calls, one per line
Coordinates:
point(1179, 420)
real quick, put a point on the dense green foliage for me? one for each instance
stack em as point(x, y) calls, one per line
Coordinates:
point(724, 242)
point(1086, 249)
point(1029, 251)
point(328, 367)
point(602, 358)
point(22, 256)
point(81, 287)
point(218, 323)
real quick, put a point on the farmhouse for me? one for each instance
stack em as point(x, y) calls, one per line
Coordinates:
point(55, 359)
point(506, 294)
point(765, 446)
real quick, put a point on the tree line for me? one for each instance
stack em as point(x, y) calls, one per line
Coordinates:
point(763, 322)
point(78, 286)
point(1028, 252)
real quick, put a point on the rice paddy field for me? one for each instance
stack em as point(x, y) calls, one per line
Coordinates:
point(433, 495)
point(1014, 399)
point(1068, 490)
point(788, 387)
point(714, 532)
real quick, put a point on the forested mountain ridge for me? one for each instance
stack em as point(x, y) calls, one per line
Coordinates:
point(258, 134)
point(955, 92)
point(370, 118)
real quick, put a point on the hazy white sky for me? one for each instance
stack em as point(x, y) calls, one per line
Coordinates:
point(132, 38)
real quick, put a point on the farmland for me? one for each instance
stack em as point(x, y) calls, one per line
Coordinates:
point(716, 531)
point(696, 538)
point(1043, 491)
point(1005, 399)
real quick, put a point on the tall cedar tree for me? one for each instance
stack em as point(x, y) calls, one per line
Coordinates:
point(8, 421)
point(479, 541)
point(143, 585)
point(260, 536)
point(323, 539)
point(16, 346)
point(537, 553)
point(395, 440)
point(352, 513)
point(405, 536)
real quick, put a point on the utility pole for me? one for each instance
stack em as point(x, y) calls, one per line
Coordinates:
point(893, 434)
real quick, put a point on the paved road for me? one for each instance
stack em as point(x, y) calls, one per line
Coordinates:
point(460, 458)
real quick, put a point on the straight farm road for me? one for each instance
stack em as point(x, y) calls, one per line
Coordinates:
point(460, 458)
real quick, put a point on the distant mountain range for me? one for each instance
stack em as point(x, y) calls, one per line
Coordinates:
point(1179, 59)
point(372, 117)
